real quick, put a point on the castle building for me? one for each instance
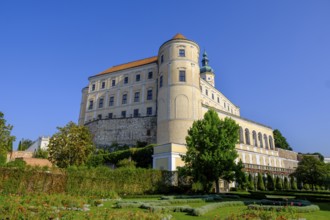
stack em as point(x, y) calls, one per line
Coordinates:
point(157, 99)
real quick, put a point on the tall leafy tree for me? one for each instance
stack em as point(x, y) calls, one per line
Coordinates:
point(6, 139)
point(311, 171)
point(24, 144)
point(211, 150)
point(280, 140)
point(71, 145)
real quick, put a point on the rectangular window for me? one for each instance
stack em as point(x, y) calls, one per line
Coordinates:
point(161, 81)
point(182, 53)
point(124, 100)
point(182, 76)
point(149, 111)
point(136, 113)
point(136, 97)
point(103, 85)
point(113, 82)
point(90, 106)
point(218, 100)
point(123, 114)
point(212, 96)
point(150, 75)
point(110, 115)
point(137, 77)
point(99, 116)
point(148, 132)
point(101, 102)
point(149, 94)
point(93, 87)
point(162, 59)
point(126, 80)
point(111, 101)
point(206, 92)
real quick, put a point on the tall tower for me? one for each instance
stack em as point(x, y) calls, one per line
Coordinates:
point(207, 72)
point(179, 99)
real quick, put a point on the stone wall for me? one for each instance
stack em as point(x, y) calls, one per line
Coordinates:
point(290, 158)
point(123, 130)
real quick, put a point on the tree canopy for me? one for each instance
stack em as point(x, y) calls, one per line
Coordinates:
point(211, 150)
point(280, 140)
point(311, 171)
point(71, 145)
point(24, 144)
point(6, 139)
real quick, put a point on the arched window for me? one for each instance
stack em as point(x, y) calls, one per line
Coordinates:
point(260, 140)
point(271, 145)
point(241, 135)
point(266, 141)
point(247, 136)
point(254, 136)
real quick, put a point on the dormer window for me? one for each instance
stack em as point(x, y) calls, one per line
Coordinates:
point(182, 53)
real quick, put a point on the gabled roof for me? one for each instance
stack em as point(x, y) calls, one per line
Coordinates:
point(130, 65)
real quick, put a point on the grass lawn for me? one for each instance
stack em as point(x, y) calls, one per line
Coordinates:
point(51, 206)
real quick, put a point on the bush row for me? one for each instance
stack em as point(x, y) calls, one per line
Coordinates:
point(298, 209)
point(101, 182)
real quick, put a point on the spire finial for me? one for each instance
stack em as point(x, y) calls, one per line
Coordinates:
point(205, 60)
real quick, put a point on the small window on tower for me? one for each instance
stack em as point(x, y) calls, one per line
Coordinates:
point(93, 87)
point(161, 81)
point(162, 59)
point(182, 53)
point(182, 76)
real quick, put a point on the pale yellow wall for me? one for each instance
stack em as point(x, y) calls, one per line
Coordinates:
point(119, 89)
point(161, 163)
point(224, 103)
point(178, 102)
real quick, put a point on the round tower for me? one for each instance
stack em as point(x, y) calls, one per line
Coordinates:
point(179, 96)
point(206, 71)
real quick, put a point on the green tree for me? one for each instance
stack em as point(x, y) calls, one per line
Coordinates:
point(6, 139)
point(280, 141)
point(41, 154)
point(279, 183)
point(24, 144)
point(270, 183)
point(293, 183)
point(240, 176)
point(71, 145)
point(211, 150)
point(286, 185)
point(261, 184)
point(311, 171)
point(251, 182)
point(126, 163)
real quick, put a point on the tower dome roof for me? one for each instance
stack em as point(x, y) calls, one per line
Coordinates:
point(178, 36)
point(205, 64)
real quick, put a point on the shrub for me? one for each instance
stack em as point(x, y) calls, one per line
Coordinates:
point(279, 183)
point(286, 184)
point(293, 183)
point(270, 182)
point(302, 209)
point(209, 207)
point(260, 184)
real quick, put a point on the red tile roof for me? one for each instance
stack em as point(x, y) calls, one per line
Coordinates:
point(130, 65)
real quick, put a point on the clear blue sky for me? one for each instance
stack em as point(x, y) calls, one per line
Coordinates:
point(272, 58)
